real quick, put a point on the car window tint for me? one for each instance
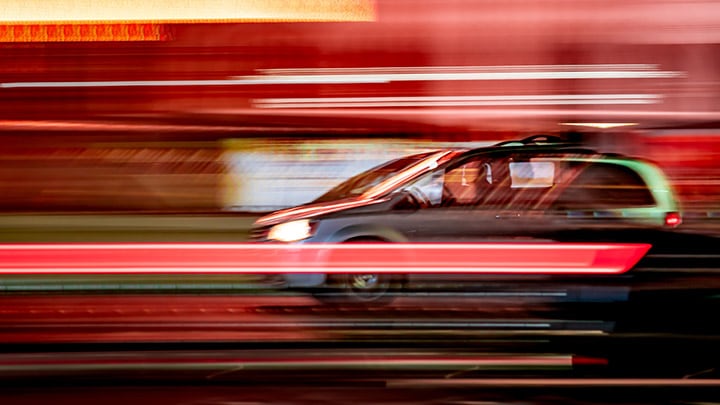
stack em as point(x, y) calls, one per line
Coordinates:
point(532, 174)
point(531, 181)
point(465, 184)
point(604, 186)
point(487, 184)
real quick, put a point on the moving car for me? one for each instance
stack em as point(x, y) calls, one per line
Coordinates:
point(539, 188)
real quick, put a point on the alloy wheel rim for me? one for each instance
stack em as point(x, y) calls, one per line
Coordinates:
point(364, 281)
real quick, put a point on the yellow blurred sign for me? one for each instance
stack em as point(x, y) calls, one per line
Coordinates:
point(183, 11)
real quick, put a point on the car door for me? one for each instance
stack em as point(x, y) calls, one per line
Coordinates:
point(483, 200)
point(533, 181)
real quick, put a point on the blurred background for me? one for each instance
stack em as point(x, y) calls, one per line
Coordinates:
point(242, 106)
point(185, 120)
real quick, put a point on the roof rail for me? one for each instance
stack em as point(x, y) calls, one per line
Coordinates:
point(540, 139)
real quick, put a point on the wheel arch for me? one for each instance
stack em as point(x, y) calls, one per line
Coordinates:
point(368, 232)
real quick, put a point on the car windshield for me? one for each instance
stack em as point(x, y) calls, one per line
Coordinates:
point(362, 182)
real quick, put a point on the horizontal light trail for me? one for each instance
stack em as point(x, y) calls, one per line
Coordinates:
point(468, 113)
point(309, 269)
point(455, 69)
point(601, 125)
point(250, 80)
point(458, 101)
point(120, 126)
point(468, 98)
point(554, 382)
point(101, 361)
point(279, 247)
point(206, 258)
point(484, 294)
point(519, 327)
point(387, 75)
point(463, 76)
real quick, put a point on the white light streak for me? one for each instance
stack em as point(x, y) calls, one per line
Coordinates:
point(458, 101)
point(601, 125)
point(451, 69)
point(381, 75)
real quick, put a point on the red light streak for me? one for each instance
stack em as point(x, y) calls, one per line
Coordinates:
point(481, 258)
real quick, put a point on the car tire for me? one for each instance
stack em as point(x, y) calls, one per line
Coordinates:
point(367, 289)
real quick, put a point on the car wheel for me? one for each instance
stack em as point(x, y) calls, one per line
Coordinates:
point(359, 288)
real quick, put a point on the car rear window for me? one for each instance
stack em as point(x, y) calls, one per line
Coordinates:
point(604, 186)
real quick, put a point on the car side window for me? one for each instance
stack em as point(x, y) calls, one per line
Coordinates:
point(427, 191)
point(604, 186)
point(463, 185)
point(470, 183)
point(531, 181)
point(483, 184)
point(490, 184)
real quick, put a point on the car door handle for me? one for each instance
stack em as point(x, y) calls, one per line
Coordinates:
point(507, 215)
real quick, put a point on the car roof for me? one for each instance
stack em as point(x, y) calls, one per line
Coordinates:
point(536, 144)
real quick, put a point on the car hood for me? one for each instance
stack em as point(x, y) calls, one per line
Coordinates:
point(315, 209)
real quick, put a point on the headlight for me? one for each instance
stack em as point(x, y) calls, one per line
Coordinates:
point(291, 231)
